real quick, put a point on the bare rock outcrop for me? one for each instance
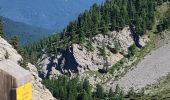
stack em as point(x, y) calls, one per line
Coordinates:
point(6, 48)
point(79, 59)
point(48, 66)
point(39, 90)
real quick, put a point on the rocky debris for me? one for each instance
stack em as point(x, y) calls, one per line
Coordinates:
point(39, 90)
point(148, 71)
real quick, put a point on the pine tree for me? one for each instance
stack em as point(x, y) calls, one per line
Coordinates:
point(131, 10)
point(6, 55)
point(14, 42)
point(111, 94)
point(118, 94)
point(1, 27)
point(85, 96)
point(23, 63)
point(86, 86)
point(99, 91)
point(96, 17)
point(33, 57)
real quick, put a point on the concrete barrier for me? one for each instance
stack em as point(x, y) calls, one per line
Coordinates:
point(15, 82)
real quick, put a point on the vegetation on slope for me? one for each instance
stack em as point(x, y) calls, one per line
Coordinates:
point(110, 16)
point(164, 22)
point(132, 95)
point(82, 30)
point(1, 28)
point(72, 89)
point(162, 89)
point(135, 54)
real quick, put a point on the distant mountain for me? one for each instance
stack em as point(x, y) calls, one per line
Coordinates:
point(26, 33)
point(53, 14)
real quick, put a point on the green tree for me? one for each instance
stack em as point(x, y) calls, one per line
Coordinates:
point(6, 55)
point(118, 95)
point(86, 86)
point(132, 50)
point(1, 27)
point(33, 57)
point(14, 42)
point(99, 91)
point(96, 17)
point(85, 96)
point(23, 63)
point(111, 94)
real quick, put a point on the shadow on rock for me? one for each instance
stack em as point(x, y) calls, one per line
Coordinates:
point(50, 65)
point(135, 36)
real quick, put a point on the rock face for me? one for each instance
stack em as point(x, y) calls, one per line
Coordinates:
point(39, 91)
point(6, 48)
point(80, 59)
point(47, 66)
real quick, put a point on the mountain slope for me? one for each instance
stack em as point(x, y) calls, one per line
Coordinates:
point(154, 66)
point(26, 33)
point(53, 14)
point(92, 49)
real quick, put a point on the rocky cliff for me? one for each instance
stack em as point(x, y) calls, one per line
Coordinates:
point(107, 50)
point(40, 92)
point(8, 53)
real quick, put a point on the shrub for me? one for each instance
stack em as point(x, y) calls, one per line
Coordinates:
point(6, 55)
point(132, 50)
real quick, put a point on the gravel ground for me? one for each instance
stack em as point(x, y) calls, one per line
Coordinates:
point(154, 66)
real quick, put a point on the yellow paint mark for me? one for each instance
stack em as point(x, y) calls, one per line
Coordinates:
point(24, 92)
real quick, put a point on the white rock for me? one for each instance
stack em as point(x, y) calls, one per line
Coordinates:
point(39, 91)
point(6, 47)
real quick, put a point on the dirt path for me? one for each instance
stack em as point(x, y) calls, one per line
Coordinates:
point(154, 66)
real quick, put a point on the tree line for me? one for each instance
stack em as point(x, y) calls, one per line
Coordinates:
point(113, 15)
point(72, 89)
point(65, 88)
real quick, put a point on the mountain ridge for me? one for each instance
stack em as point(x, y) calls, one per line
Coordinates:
point(51, 14)
point(26, 33)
